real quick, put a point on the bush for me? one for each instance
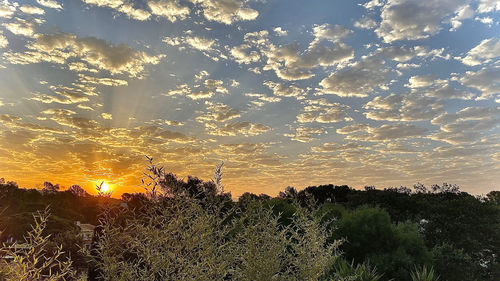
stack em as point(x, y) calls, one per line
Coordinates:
point(33, 261)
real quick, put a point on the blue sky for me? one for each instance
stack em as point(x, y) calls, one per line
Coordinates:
point(383, 93)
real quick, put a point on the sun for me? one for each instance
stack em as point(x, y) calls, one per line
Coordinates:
point(103, 186)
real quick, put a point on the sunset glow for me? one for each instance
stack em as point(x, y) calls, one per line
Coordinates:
point(286, 93)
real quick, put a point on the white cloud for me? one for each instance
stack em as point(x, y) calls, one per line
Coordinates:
point(242, 55)
point(398, 131)
point(32, 10)
point(279, 31)
point(465, 12)
point(21, 27)
point(60, 47)
point(403, 107)
point(281, 90)
point(137, 14)
point(329, 32)
point(487, 50)
point(181, 90)
point(50, 4)
point(218, 113)
point(226, 11)
point(420, 81)
point(7, 9)
point(306, 134)
point(415, 19)
point(467, 125)
point(3, 40)
point(365, 23)
point(169, 9)
point(485, 80)
point(200, 43)
point(200, 95)
point(443, 90)
point(122, 7)
point(239, 128)
point(360, 80)
point(322, 111)
point(486, 6)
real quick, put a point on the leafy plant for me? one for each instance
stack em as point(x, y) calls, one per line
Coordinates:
point(32, 260)
point(424, 274)
point(345, 271)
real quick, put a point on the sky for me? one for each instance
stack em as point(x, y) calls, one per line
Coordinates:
point(285, 92)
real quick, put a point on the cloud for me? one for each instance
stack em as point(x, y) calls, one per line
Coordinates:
point(354, 128)
point(464, 12)
point(101, 81)
point(306, 134)
point(365, 23)
point(50, 4)
point(181, 90)
point(487, 50)
point(106, 115)
point(398, 131)
point(3, 40)
point(227, 11)
point(329, 32)
point(241, 148)
point(289, 64)
point(335, 147)
point(322, 112)
point(403, 107)
point(281, 90)
point(262, 99)
point(486, 6)
point(169, 9)
point(218, 113)
point(32, 10)
point(61, 47)
point(360, 80)
point(200, 95)
point(386, 132)
point(279, 31)
point(419, 81)
point(240, 128)
point(211, 87)
point(242, 55)
point(151, 132)
point(173, 123)
point(415, 19)
point(485, 80)
point(208, 46)
point(65, 97)
point(7, 9)
point(121, 6)
point(215, 85)
point(21, 27)
point(467, 125)
point(137, 14)
point(443, 90)
point(288, 61)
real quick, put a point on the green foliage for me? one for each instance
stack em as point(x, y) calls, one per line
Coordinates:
point(393, 249)
point(190, 239)
point(32, 260)
point(344, 271)
point(424, 274)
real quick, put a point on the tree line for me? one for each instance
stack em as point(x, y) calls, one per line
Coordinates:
point(192, 230)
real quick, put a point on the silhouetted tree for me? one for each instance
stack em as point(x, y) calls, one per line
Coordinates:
point(49, 188)
point(78, 190)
